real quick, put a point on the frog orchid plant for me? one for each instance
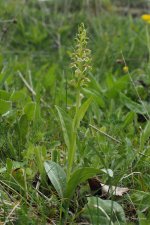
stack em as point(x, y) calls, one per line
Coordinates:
point(65, 183)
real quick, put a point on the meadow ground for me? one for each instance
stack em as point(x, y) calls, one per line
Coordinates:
point(74, 112)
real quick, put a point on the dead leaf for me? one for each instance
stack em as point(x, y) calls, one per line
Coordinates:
point(116, 191)
point(98, 188)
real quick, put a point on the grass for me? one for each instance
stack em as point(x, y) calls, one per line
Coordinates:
point(51, 141)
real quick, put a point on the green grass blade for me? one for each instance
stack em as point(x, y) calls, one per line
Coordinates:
point(39, 152)
point(65, 124)
point(128, 119)
point(146, 134)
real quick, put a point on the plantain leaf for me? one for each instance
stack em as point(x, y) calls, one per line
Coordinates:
point(101, 212)
point(57, 176)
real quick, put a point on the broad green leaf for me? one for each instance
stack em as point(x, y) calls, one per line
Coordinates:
point(97, 96)
point(77, 177)
point(133, 106)
point(18, 96)
point(4, 95)
point(101, 212)
point(30, 110)
point(5, 106)
point(65, 121)
point(142, 219)
point(116, 86)
point(82, 110)
point(23, 127)
point(57, 176)
point(121, 83)
point(145, 134)
point(141, 199)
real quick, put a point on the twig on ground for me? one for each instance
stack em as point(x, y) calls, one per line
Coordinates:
point(105, 134)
